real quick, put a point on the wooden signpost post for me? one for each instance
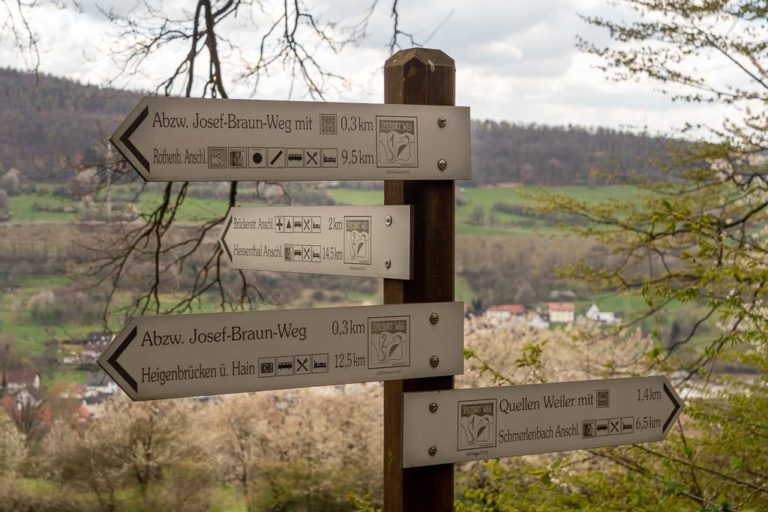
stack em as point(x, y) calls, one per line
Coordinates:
point(423, 77)
point(418, 142)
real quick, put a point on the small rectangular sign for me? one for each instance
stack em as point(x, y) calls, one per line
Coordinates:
point(487, 423)
point(194, 139)
point(365, 241)
point(209, 354)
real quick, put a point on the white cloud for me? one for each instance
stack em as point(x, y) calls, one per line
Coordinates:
point(516, 61)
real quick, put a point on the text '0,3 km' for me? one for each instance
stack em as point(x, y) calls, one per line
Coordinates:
point(210, 354)
point(185, 139)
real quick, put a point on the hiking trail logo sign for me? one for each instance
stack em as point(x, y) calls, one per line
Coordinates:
point(174, 356)
point(389, 342)
point(398, 143)
point(196, 139)
point(363, 241)
point(477, 424)
point(473, 424)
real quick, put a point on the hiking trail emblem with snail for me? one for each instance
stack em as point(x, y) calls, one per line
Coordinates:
point(397, 142)
point(389, 342)
point(477, 424)
point(357, 240)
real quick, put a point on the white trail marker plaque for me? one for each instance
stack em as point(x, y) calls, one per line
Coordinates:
point(186, 139)
point(486, 423)
point(368, 241)
point(210, 354)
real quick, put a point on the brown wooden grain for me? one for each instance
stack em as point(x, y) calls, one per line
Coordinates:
point(419, 76)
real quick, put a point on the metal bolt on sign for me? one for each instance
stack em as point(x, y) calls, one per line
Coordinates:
point(388, 220)
point(442, 164)
point(434, 318)
point(432, 450)
point(434, 361)
point(433, 407)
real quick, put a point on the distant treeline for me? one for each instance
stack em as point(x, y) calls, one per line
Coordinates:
point(561, 155)
point(47, 123)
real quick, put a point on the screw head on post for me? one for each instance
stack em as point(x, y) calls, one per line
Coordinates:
point(388, 220)
point(433, 407)
point(432, 451)
point(387, 263)
point(442, 164)
point(441, 122)
point(434, 361)
point(434, 318)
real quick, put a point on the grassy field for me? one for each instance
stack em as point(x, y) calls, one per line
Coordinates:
point(356, 197)
point(224, 498)
point(464, 291)
point(504, 224)
point(16, 321)
point(23, 206)
point(633, 306)
point(29, 336)
point(198, 210)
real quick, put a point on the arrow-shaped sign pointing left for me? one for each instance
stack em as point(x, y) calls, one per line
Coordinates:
point(113, 360)
point(197, 139)
point(173, 356)
point(122, 140)
point(364, 241)
point(224, 238)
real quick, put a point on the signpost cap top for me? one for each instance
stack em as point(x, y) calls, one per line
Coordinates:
point(420, 76)
point(426, 56)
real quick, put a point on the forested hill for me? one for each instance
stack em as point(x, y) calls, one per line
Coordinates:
point(48, 122)
point(560, 155)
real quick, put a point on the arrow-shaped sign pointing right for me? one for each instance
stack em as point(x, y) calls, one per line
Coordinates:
point(677, 406)
point(483, 423)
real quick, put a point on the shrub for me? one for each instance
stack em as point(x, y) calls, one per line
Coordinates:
point(11, 182)
point(50, 307)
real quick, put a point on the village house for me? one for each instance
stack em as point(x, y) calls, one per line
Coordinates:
point(99, 387)
point(505, 311)
point(92, 337)
point(603, 317)
point(95, 405)
point(562, 312)
point(92, 350)
point(69, 357)
point(14, 381)
point(99, 383)
point(539, 321)
point(22, 386)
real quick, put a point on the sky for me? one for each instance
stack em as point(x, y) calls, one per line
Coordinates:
point(516, 61)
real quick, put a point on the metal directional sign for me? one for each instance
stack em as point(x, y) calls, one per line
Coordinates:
point(185, 139)
point(209, 354)
point(372, 241)
point(472, 424)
